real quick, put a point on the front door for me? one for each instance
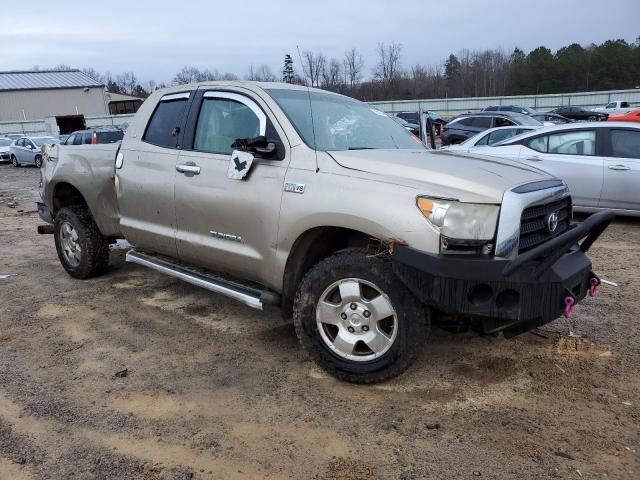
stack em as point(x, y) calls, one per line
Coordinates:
point(572, 156)
point(225, 224)
point(621, 188)
point(145, 180)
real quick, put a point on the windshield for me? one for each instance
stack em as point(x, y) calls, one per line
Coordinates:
point(5, 142)
point(522, 119)
point(45, 141)
point(341, 123)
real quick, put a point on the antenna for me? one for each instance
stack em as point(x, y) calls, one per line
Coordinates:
point(313, 127)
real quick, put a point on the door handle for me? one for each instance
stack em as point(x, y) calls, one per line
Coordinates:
point(534, 159)
point(619, 167)
point(192, 169)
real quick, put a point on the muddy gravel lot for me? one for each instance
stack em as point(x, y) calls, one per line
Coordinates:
point(216, 390)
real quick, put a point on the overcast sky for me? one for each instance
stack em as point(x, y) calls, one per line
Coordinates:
point(156, 41)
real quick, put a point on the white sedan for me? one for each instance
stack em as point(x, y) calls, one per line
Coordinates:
point(600, 161)
point(489, 137)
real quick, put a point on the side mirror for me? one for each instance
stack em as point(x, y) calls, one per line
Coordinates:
point(258, 145)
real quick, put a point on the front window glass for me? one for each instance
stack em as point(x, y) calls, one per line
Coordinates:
point(573, 143)
point(539, 144)
point(331, 122)
point(221, 122)
point(4, 143)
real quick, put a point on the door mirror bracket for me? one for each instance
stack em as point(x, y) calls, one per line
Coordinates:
point(260, 146)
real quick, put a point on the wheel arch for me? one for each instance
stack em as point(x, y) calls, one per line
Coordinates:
point(66, 195)
point(309, 248)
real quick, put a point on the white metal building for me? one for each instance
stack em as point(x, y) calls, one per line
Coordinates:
point(66, 96)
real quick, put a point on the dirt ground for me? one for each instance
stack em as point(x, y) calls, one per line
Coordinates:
point(216, 390)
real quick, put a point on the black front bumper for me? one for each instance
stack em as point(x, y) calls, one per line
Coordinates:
point(519, 294)
point(44, 213)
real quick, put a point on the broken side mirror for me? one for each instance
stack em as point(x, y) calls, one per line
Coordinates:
point(259, 146)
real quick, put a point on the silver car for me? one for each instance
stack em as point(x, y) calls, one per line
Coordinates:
point(489, 137)
point(28, 150)
point(600, 161)
point(5, 143)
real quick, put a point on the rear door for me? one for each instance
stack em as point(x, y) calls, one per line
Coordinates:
point(226, 224)
point(621, 188)
point(575, 156)
point(146, 179)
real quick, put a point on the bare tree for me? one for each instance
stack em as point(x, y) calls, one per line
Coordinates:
point(262, 74)
point(332, 76)
point(313, 66)
point(94, 74)
point(353, 66)
point(389, 65)
point(127, 82)
point(188, 74)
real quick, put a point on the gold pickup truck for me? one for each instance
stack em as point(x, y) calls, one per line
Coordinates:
point(324, 206)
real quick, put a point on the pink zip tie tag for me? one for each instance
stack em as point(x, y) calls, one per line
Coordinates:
point(569, 302)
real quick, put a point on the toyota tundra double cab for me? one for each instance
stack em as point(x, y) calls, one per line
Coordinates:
point(274, 194)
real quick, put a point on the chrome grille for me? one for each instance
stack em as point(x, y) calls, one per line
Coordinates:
point(533, 223)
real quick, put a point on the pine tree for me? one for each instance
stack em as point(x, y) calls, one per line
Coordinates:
point(288, 74)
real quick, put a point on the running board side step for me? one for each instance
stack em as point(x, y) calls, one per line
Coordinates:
point(252, 297)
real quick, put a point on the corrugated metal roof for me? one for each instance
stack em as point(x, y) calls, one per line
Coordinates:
point(45, 79)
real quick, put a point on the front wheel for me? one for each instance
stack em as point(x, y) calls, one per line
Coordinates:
point(14, 161)
point(82, 249)
point(38, 161)
point(357, 320)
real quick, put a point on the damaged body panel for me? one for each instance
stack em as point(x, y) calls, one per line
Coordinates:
point(284, 195)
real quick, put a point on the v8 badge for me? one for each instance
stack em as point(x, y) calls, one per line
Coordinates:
point(239, 165)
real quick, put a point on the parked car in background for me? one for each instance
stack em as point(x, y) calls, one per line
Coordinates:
point(468, 124)
point(631, 116)
point(578, 113)
point(411, 127)
point(552, 118)
point(617, 106)
point(13, 136)
point(488, 137)
point(510, 108)
point(414, 117)
point(600, 161)
point(28, 150)
point(5, 143)
point(93, 136)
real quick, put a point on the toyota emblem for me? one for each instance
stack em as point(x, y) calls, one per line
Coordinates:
point(552, 222)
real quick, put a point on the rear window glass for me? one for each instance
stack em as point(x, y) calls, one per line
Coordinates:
point(110, 136)
point(86, 139)
point(481, 122)
point(161, 127)
point(625, 143)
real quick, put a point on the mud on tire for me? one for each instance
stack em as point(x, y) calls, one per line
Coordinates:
point(412, 321)
point(87, 254)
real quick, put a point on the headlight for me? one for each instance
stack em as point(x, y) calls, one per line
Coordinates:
point(460, 221)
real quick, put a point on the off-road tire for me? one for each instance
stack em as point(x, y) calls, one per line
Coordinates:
point(94, 258)
point(38, 161)
point(14, 161)
point(412, 317)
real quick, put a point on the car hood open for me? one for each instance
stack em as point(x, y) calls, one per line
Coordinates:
point(470, 177)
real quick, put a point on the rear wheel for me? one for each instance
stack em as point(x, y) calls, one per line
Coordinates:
point(356, 320)
point(82, 249)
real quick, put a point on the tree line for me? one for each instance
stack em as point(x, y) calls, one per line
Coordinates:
point(613, 64)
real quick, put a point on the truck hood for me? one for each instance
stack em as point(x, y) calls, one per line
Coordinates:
point(467, 177)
